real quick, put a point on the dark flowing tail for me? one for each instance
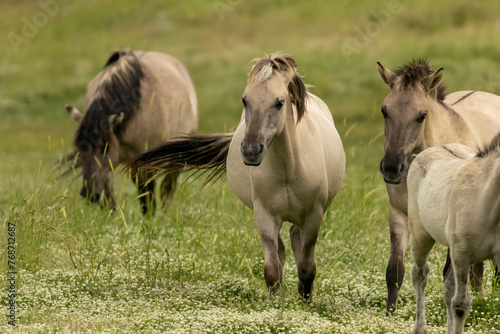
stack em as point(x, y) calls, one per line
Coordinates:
point(206, 153)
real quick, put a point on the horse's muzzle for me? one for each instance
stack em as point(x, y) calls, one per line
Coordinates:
point(393, 173)
point(252, 154)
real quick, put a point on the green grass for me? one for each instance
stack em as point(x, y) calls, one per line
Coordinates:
point(199, 266)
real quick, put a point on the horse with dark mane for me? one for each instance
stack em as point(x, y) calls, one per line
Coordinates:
point(285, 161)
point(419, 114)
point(139, 100)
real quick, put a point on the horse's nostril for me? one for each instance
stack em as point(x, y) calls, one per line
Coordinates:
point(401, 168)
point(261, 148)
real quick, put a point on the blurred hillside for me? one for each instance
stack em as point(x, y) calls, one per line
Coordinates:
point(52, 48)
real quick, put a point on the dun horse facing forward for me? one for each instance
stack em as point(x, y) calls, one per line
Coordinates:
point(418, 114)
point(285, 161)
point(454, 199)
point(139, 100)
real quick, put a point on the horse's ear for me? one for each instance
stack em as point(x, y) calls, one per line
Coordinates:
point(74, 113)
point(115, 56)
point(115, 119)
point(432, 80)
point(387, 75)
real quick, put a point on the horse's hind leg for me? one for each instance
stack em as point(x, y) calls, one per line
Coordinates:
point(146, 188)
point(461, 302)
point(303, 245)
point(395, 269)
point(296, 241)
point(476, 276)
point(496, 276)
point(281, 254)
point(167, 188)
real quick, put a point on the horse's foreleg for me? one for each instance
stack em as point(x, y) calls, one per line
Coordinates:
point(475, 274)
point(296, 241)
point(167, 188)
point(395, 272)
point(461, 302)
point(269, 229)
point(420, 272)
point(146, 189)
point(449, 292)
point(303, 244)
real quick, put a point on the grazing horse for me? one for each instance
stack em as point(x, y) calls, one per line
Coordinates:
point(139, 100)
point(418, 114)
point(454, 199)
point(285, 161)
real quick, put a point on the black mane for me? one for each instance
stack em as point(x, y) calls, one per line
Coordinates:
point(117, 92)
point(412, 74)
point(493, 146)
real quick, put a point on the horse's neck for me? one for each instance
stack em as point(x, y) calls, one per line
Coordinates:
point(443, 126)
point(285, 145)
point(487, 173)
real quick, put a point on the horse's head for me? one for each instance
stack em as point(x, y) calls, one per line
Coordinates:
point(97, 150)
point(273, 86)
point(404, 110)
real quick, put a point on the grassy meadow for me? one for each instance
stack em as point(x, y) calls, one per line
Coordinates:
point(198, 267)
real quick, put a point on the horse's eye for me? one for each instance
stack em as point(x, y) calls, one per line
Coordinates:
point(421, 118)
point(279, 104)
point(384, 112)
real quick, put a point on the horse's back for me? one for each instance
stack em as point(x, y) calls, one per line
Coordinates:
point(315, 103)
point(481, 111)
point(173, 76)
point(168, 108)
point(168, 67)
